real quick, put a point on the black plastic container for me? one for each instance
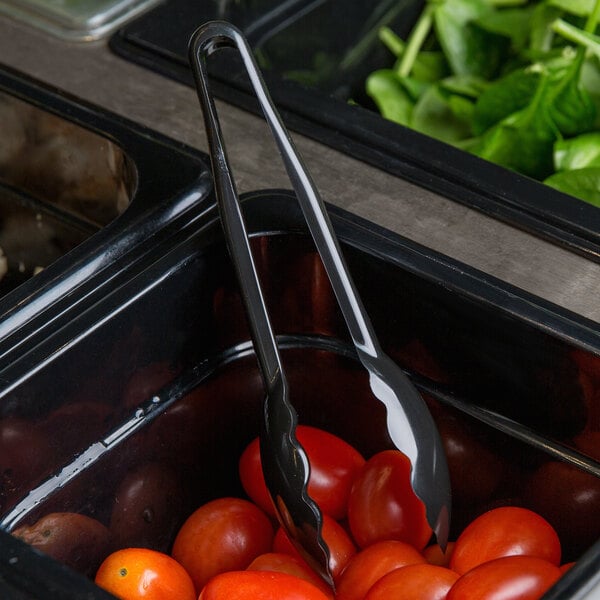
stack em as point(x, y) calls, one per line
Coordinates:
point(157, 381)
point(83, 193)
point(304, 39)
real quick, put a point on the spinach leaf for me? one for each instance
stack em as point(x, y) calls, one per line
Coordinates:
point(430, 66)
point(572, 108)
point(524, 140)
point(388, 93)
point(504, 97)
point(581, 183)
point(471, 87)
point(581, 8)
point(578, 152)
point(541, 34)
point(441, 115)
point(512, 23)
point(469, 49)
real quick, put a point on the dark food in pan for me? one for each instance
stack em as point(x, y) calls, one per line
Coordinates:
point(59, 183)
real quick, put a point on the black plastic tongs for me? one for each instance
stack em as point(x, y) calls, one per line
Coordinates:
point(410, 425)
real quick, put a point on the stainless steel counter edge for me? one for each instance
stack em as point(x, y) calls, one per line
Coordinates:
point(92, 72)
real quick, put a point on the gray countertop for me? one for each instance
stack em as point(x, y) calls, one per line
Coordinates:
point(90, 71)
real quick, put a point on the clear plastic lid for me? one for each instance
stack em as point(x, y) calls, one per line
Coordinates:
point(82, 20)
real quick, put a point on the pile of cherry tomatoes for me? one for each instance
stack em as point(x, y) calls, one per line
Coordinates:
point(379, 540)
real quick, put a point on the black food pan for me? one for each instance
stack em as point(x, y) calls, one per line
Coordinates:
point(157, 382)
point(316, 69)
point(82, 192)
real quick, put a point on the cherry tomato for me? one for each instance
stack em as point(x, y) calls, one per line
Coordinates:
point(145, 382)
point(75, 540)
point(570, 500)
point(475, 471)
point(414, 582)
point(143, 574)
point(292, 565)
point(333, 466)
point(260, 585)
point(505, 531)
point(26, 456)
point(149, 507)
point(341, 547)
point(506, 578)
point(589, 443)
point(564, 568)
point(226, 534)
point(383, 505)
point(415, 355)
point(371, 564)
point(80, 424)
point(435, 556)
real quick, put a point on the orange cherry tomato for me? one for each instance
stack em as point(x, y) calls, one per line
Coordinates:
point(292, 565)
point(341, 547)
point(383, 505)
point(142, 574)
point(226, 534)
point(260, 585)
point(508, 578)
point(505, 531)
point(333, 466)
point(414, 582)
point(371, 564)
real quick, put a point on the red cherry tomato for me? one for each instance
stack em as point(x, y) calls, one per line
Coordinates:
point(149, 506)
point(435, 556)
point(505, 531)
point(292, 565)
point(507, 578)
point(383, 505)
point(26, 457)
point(223, 535)
point(564, 568)
point(589, 443)
point(414, 582)
point(145, 382)
point(475, 471)
point(333, 466)
point(341, 547)
point(570, 500)
point(260, 585)
point(142, 574)
point(371, 564)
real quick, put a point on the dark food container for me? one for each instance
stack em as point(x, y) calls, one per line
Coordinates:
point(304, 40)
point(157, 382)
point(81, 191)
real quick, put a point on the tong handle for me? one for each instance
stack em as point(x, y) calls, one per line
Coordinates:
point(212, 37)
point(218, 34)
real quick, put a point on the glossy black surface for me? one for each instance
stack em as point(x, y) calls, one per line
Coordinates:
point(163, 182)
point(161, 372)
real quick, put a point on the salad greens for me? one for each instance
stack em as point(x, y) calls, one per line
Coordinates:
point(516, 82)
